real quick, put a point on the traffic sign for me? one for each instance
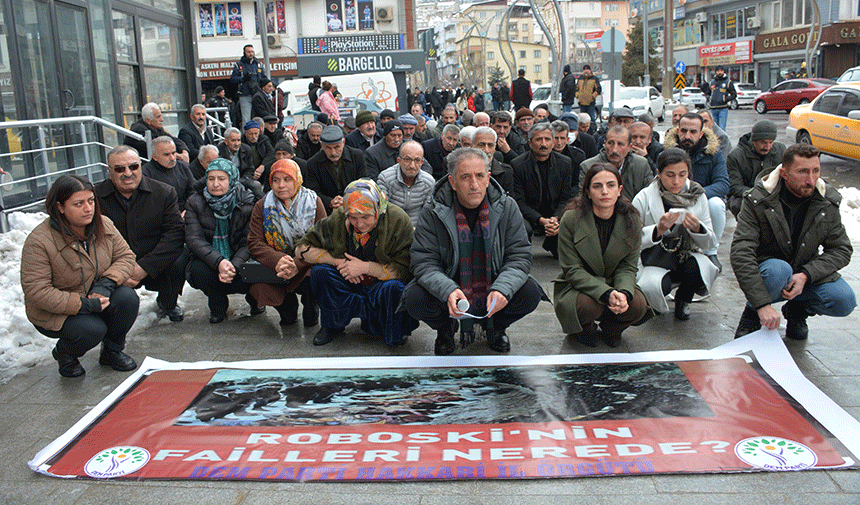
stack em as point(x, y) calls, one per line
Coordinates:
point(680, 67)
point(680, 81)
point(610, 36)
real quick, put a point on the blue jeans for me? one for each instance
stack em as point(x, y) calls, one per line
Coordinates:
point(590, 110)
point(828, 299)
point(720, 116)
point(717, 208)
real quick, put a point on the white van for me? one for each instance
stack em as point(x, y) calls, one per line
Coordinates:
point(371, 91)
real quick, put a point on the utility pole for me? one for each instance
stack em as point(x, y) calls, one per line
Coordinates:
point(646, 40)
point(668, 50)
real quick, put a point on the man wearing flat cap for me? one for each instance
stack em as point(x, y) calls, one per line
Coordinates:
point(621, 117)
point(333, 168)
point(756, 152)
point(523, 121)
point(365, 134)
point(271, 129)
point(384, 154)
point(409, 124)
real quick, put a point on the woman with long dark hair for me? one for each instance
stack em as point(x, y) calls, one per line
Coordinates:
point(73, 268)
point(598, 249)
point(677, 227)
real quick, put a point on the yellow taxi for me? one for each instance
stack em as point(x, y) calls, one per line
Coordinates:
point(831, 122)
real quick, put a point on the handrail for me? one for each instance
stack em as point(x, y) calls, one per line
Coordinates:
point(39, 167)
point(76, 119)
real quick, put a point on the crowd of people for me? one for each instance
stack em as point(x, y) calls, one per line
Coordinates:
point(394, 222)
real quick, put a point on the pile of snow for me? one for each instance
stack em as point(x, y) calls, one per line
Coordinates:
point(21, 346)
point(850, 210)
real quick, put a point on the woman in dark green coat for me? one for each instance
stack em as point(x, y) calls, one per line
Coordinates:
point(598, 246)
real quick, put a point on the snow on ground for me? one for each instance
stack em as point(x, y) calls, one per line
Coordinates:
point(850, 210)
point(22, 347)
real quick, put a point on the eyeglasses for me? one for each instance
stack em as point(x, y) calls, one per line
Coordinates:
point(407, 160)
point(121, 169)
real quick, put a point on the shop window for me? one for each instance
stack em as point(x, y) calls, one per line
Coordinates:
point(341, 15)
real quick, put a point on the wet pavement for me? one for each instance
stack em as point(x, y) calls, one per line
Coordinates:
point(39, 405)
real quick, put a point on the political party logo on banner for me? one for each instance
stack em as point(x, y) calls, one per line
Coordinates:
point(776, 454)
point(410, 418)
point(117, 462)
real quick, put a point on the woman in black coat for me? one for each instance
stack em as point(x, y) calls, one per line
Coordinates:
point(217, 221)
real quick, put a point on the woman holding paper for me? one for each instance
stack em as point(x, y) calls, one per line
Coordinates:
point(598, 250)
point(677, 226)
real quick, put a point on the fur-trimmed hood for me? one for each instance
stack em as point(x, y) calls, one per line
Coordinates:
point(711, 148)
point(770, 183)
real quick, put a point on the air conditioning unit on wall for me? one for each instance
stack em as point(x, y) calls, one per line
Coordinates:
point(384, 14)
point(754, 22)
point(701, 17)
point(274, 41)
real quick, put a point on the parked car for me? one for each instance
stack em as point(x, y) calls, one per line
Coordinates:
point(639, 100)
point(850, 75)
point(690, 96)
point(831, 122)
point(787, 94)
point(540, 96)
point(747, 94)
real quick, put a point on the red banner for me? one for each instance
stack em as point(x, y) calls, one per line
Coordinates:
point(403, 423)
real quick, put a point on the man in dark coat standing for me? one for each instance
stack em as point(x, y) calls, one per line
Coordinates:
point(521, 91)
point(542, 186)
point(147, 216)
point(567, 90)
point(333, 168)
point(384, 154)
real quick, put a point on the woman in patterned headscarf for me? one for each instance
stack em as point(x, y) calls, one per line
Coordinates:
point(361, 257)
point(216, 231)
point(278, 221)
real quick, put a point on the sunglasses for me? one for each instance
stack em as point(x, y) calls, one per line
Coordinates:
point(121, 169)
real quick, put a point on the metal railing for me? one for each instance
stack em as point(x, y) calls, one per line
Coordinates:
point(41, 156)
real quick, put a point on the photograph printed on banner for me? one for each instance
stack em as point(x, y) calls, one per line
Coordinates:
point(445, 396)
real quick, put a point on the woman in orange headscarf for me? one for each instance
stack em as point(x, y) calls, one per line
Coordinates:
point(361, 257)
point(278, 221)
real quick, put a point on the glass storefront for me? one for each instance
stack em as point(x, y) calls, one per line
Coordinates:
point(103, 58)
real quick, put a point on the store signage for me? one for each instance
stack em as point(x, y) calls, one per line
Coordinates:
point(209, 70)
point(731, 53)
point(352, 44)
point(782, 41)
point(341, 64)
point(841, 33)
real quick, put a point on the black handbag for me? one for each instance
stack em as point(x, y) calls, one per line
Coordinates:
point(663, 255)
point(253, 272)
